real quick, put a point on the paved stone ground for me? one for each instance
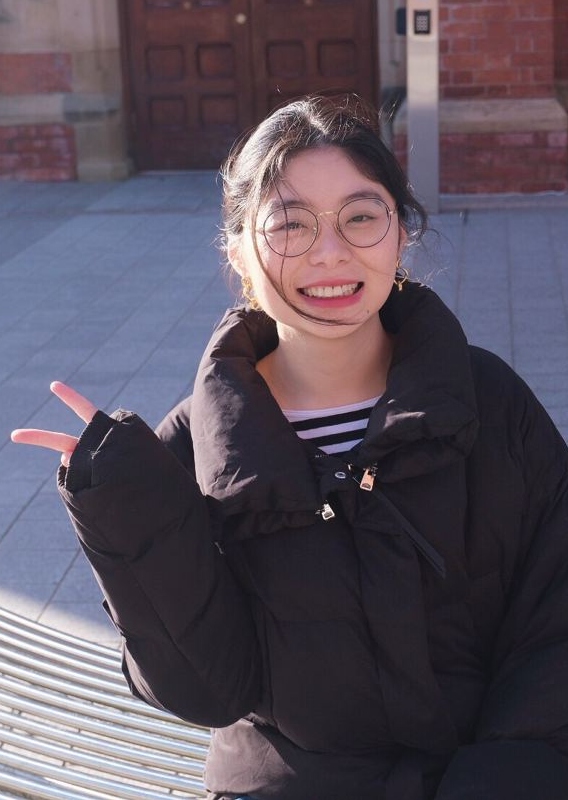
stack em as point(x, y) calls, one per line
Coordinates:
point(115, 288)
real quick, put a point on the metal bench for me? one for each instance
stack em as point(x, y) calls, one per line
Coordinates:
point(70, 730)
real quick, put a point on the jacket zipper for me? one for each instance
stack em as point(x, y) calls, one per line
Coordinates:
point(368, 479)
point(367, 483)
point(326, 512)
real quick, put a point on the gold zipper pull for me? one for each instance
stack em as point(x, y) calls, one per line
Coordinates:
point(368, 479)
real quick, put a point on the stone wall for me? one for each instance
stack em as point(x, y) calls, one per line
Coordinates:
point(61, 114)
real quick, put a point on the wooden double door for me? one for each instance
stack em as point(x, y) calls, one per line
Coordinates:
point(200, 72)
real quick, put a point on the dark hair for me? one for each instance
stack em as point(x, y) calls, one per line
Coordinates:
point(257, 163)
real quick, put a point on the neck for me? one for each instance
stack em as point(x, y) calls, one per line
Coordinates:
point(308, 372)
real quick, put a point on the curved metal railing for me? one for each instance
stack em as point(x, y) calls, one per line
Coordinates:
point(70, 730)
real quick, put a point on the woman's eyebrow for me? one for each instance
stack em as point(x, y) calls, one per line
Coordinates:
point(281, 203)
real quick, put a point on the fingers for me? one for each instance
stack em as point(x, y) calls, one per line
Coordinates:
point(62, 442)
point(76, 402)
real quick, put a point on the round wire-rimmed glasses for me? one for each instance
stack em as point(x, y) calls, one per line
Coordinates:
point(291, 230)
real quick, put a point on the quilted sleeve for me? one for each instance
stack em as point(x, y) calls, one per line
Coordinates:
point(188, 639)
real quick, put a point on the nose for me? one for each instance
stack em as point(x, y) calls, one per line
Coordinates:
point(329, 246)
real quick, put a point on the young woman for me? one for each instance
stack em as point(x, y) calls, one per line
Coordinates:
point(347, 552)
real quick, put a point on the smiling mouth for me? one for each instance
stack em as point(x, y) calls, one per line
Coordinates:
point(344, 290)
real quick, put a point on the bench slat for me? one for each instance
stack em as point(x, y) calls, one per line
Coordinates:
point(59, 640)
point(70, 729)
point(103, 746)
point(97, 786)
point(104, 722)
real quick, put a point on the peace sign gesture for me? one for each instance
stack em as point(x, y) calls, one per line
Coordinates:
point(62, 442)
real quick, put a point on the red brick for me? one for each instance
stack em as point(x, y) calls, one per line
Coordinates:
point(23, 145)
point(557, 139)
point(531, 187)
point(8, 132)
point(492, 163)
point(56, 130)
point(535, 10)
point(528, 59)
point(498, 77)
point(505, 36)
point(560, 39)
point(532, 27)
point(460, 13)
point(544, 75)
point(462, 77)
point(463, 92)
point(456, 139)
point(61, 144)
point(496, 12)
point(494, 60)
point(467, 29)
point(461, 61)
point(525, 44)
point(461, 45)
point(35, 73)
point(8, 162)
point(40, 152)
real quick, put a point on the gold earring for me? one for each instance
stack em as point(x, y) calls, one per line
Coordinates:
point(248, 293)
point(401, 275)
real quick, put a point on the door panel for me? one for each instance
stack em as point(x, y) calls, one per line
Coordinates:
point(200, 72)
point(312, 46)
point(189, 73)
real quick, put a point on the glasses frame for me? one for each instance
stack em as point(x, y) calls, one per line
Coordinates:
point(316, 230)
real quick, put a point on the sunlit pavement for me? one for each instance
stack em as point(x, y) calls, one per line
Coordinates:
point(115, 287)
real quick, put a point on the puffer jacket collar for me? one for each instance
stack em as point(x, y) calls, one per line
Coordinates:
point(248, 456)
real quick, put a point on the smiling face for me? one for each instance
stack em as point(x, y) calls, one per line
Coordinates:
point(334, 280)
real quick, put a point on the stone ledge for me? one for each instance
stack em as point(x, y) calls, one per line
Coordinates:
point(31, 109)
point(494, 116)
point(70, 107)
point(78, 107)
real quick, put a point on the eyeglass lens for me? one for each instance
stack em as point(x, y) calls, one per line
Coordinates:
point(292, 230)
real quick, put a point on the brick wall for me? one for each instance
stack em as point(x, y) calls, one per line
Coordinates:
point(35, 73)
point(561, 40)
point(37, 152)
point(493, 163)
point(496, 58)
point(497, 49)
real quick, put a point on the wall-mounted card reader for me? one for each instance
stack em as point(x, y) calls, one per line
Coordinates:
point(422, 23)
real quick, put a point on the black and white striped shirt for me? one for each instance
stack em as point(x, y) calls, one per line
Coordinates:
point(333, 430)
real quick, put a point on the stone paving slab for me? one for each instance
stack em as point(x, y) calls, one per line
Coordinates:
point(115, 288)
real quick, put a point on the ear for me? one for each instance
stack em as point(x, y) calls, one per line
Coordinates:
point(402, 240)
point(235, 256)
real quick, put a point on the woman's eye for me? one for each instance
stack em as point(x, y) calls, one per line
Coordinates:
point(287, 225)
point(360, 218)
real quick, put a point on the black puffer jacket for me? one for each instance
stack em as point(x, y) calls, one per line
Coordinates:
point(400, 644)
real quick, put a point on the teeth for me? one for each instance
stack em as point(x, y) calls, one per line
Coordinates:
point(331, 291)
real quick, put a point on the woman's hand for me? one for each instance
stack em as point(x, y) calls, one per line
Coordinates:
point(62, 442)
